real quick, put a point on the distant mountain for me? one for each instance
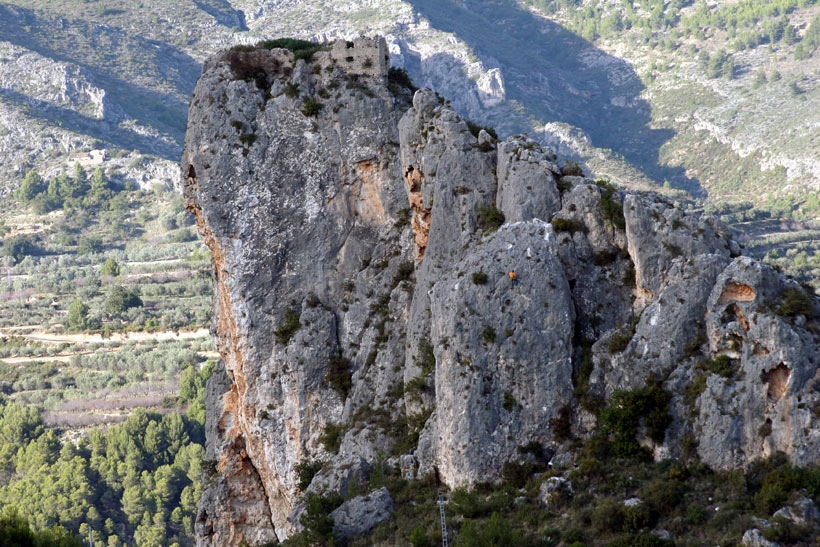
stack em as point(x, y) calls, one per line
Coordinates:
point(717, 102)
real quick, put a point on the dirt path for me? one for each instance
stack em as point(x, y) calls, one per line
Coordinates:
point(138, 263)
point(80, 338)
point(43, 359)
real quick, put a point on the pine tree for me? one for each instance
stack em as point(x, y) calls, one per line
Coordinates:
point(77, 315)
point(32, 186)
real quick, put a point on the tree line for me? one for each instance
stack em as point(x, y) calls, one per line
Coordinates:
point(136, 483)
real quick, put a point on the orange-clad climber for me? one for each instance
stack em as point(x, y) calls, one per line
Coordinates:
point(512, 276)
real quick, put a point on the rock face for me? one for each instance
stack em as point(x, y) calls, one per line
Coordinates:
point(358, 515)
point(754, 538)
point(553, 489)
point(389, 284)
point(769, 405)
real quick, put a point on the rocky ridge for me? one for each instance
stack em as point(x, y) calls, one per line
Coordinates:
point(363, 240)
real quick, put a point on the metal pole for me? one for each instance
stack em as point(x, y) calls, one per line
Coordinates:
point(441, 503)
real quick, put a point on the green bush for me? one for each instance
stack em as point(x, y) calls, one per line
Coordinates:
point(580, 381)
point(247, 139)
point(415, 387)
point(693, 389)
point(620, 340)
point(696, 514)
point(563, 185)
point(475, 129)
point(640, 540)
point(496, 531)
point(517, 474)
point(620, 420)
point(479, 278)
point(400, 78)
point(488, 335)
point(776, 487)
point(331, 437)
point(15, 530)
point(608, 517)
point(245, 67)
point(404, 272)
point(403, 217)
point(168, 221)
point(301, 49)
point(120, 299)
point(77, 315)
point(340, 375)
point(90, 245)
point(18, 247)
point(786, 532)
point(561, 425)
point(611, 209)
point(426, 358)
point(405, 430)
point(291, 90)
point(722, 365)
point(289, 326)
point(489, 218)
point(636, 517)
point(33, 185)
point(110, 267)
point(466, 503)
point(311, 107)
point(183, 236)
point(796, 302)
point(306, 470)
point(509, 401)
point(419, 538)
point(572, 169)
point(318, 525)
point(663, 495)
point(563, 225)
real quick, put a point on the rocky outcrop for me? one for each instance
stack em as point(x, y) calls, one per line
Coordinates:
point(802, 512)
point(755, 538)
point(504, 346)
point(358, 515)
point(757, 320)
point(387, 283)
point(553, 490)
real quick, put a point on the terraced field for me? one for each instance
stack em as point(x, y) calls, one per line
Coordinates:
point(142, 281)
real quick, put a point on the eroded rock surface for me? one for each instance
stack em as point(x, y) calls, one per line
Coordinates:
point(358, 515)
point(364, 245)
point(768, 405)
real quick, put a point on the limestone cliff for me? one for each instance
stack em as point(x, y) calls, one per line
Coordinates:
point(363, 240)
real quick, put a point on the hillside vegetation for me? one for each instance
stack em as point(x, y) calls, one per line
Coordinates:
point(103, 315)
